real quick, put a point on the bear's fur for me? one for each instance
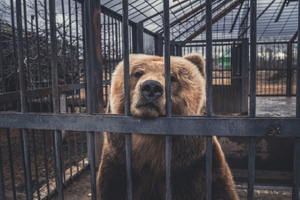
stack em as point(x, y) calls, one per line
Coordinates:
point(188, 173)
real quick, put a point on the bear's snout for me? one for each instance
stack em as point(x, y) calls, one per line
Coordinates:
point(151, 90)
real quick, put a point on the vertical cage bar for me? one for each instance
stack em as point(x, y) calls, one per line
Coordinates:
point(251, 158)
point(289, 69)
point(82, 153)
point(159, 44)
point(47, 43)
point(71, 49)
point(127, 97)
point(126, 56)
point(208, 167)
point(76, 152)
point(1, 64)
point(64, 41)
point(91, 144)
point(58, 144)
point(69, 153)
point(253, 59)
point(22, 97)
point(77, 53)
point(38, 43)
point(36, 166)
point(97, 67)
point(45, 163)
point(168, 96)
point(20, 55)
point(54, 156)
point(245, 74)
point(55, 98)
point(12, 173)
point(296, 180)
point(298, 67)
point(71, 56)
point(23, 159)
point(90, 16)
point(167, 57)
point(14, 43)
point(209, 57)
point(208, 95)
point(2, 190)
point(26, 44)
point(105, 58)
point(251, 168)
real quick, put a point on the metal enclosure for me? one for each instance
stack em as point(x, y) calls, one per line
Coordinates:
point(55, 87)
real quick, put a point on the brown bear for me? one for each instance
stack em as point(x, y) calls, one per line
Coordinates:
point(147, 100)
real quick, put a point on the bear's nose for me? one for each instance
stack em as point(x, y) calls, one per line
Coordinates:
point(151, 90)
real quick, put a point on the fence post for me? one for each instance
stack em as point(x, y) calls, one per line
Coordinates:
point(159, 45)
point(245, 75)
point(138, 38)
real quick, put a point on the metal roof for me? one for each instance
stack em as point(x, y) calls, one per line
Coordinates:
point(276, 19)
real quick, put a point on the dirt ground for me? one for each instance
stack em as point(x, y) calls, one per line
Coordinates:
point(80, 189)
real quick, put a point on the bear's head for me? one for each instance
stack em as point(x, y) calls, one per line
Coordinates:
point(147, 86)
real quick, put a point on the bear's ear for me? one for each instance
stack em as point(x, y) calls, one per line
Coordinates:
point(198, 61)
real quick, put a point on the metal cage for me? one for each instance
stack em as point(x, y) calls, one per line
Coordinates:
point(96, 31)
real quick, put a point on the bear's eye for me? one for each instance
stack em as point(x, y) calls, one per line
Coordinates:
point(173, 78)
point(138, 74)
